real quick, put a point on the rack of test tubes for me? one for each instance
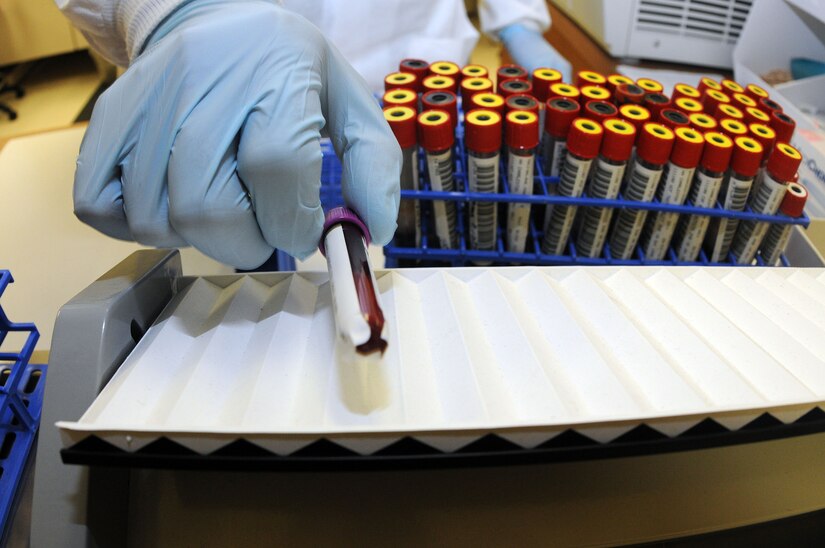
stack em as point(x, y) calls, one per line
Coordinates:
point(520, 168)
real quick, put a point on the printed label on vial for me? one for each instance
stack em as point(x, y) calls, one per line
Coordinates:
point(722, 230)
point(605, 182)
point(750, 233)
point(571, 183)
point(676, 185)
point(520, 179)
point(776, 240)
point(440, 169)
point(642, 184)
point(559, 154)
point(658, 233)
point(704, 192)
point(483, 177)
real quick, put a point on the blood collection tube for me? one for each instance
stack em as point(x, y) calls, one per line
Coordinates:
point(650, 85)
point(702, 122)
point(482, 130)
point(359, 320)
point(510, 72)
point(560, 115)
point(542, 79)
point(755, 92)
point(515, 87)
point(403, 125)
point(756, 116)
point(743, 101)
point(686, 90)
point(776, 240)
point(401, 98)
point(471, 86)
point(590, 78)
point(435, 134)
point(736, 187)
point(489, 101)
point(446, 68)
point(600, 111)
point(656, 102)
point(728, 111)
point(783, 125)
point(441, 100)
point(731, 87)
point(766, 137)
point(658, 231)
point(629, 93)
point(605, 182)
point(616, 80)
point(474, 71)
point(708, 83)
point(595, 93)
point(688, 106)
point(653, 147)
point(691, 229)
point(583, 143)
point(522, 139)
point(673, 118)
point(438, 83)
point(401, 80)
point(781, 170)
point(732, 128)
point(711, 99)
point(636, 115)
point(418, 67)
point(769, 105)
point(527, 103)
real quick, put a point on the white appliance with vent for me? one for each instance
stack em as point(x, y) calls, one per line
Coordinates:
point(697, 32)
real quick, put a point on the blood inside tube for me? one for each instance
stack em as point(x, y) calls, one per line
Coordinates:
point(365, 290)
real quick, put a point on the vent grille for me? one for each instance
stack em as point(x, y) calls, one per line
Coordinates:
point(718, 20)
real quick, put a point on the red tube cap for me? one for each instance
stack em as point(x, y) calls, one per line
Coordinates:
point(673, 118)
point(769, 105)
point(471, 86)
point(402, 123)
point(419, 67)
point(732, 127)
point(441, 100)
point(400, 80)
point(743, 101)
point(783, 125)
point(703, 122)
point(585, 138)
point(342, 215)
point(756, 116)
point(656, 102)
point(474, 71)
point(482, 131)
point(650, 85)
point(618, 139)
point(515, 87)
point(401, 98)
point(708, 83)
point(712, 98)
point(793, 204)
point(488, 101)
point(522, 102)
point(688, 105)
point(728, 111)
point(439, 83)
point(629, 93)
point(747, 156)
point(435, 130)
point(655, 143)
point(616, 80)
point(590, 78)
point(717, 153)
point(445, 68)
point(783, 162)
point(732, 87)
point(766, 137)
point(600, 111)
point(522, 130)
point(686, 90)
point(543, 78)
point(510, 72)
point(756, 93)
point(560, 114)
point(560, 89)
point(636, 115)
point(687, 147)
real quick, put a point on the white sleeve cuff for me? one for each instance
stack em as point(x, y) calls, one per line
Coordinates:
point(498, 14)
point(136, 19)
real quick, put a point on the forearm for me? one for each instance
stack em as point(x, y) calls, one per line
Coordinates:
point(496, 15)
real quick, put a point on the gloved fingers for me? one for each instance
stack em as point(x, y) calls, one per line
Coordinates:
point(98, 192)
point(529, 49)
point(208, 205)
point(369, 153)
point(279, 160)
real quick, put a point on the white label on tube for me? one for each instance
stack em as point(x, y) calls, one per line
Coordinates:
point(641, 187)
point(352, 327)
point(750, 233)
point(720, 234)
point(440, 169)
point(520, 179)
point(559, 154)
point(605, 182)
point(483, 177)
point(658, 231)
point(571, 183)
point(776, 240)
point(692, 228)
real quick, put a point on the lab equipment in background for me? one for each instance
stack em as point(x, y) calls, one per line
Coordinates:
point(522, 140)
point(736, 187)
point(605, 182)
point(359, 319)
point(583, 142)
point(435, 133)
point(690, 230)
point(482, 132)
point(653, 148)
point(776, 240)
point(402, 121)
point(658, 231)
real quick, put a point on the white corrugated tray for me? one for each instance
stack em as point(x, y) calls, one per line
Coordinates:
point(522, 352)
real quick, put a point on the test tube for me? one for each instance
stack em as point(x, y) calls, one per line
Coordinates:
point(653, 147)
point(743, 101)
point(402, 123)
point(438, 83)
point(605, 182)
point(731, 87)
point(756, 92)
point(600, 111)
point(418, 67)
point(636, 115)
point(769, 105)
point(783, 125)
point(401, 80)
point(560, 115)
point(688, 106)
point(471, 86)
point(732, 128)
point(776, 240)
point(656, 102)
point(767, 138)
point(527, 103)
point(510, 72)
point(650, 85)
point(401, 98)
point(781, 170)
point(483, 140)
point(515, 87)
point(702, 122)
point(686, 90)
point(708, 83)
point(728, 111)
point(435, 134)
point(744, 164)
point(590, 78)
point(583, 143)
point(690, 230)
point(629, 93)
point(522, 139)
point(673, 118)
point(560, 89)
point(441, 100)
point(594, 93)
point(446, 68)
point(616, 80)
point(474, 71)
point(712, 98)
point(542, 79)
point(359, 320)
point(488, 101)
point(756, 116)
point(658, 231)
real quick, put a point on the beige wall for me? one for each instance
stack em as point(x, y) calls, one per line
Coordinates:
point(31, 29)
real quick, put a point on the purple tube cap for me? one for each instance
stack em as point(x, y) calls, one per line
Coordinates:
point(338, 215)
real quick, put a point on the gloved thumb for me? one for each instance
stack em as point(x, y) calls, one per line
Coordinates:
point(529, 49)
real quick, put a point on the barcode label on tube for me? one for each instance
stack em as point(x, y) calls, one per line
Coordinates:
point(571, 183)
point(483, 177)
point(641, 187)
point(722, 230)
point(605, 182)
point(749, 236)
point(520, 179)
point(440, 169)
point(692, 228)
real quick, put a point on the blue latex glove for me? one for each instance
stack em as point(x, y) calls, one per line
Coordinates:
point(529, 49)
point(211, 138)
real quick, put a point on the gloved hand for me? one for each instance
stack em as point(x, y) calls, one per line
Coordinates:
point(529, 49)
point(211, 138)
